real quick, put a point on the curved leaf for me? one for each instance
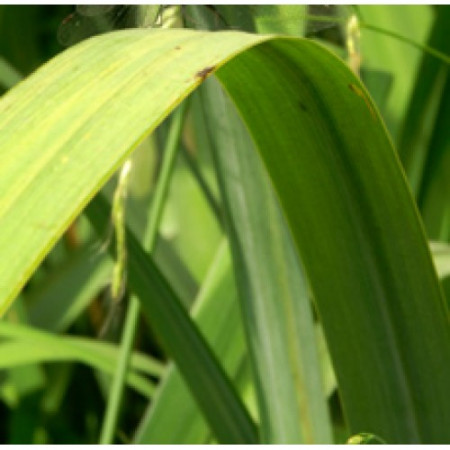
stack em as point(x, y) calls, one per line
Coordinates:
point(31, 346)
point(359, 234)
point(68, 109)
point(333, 169)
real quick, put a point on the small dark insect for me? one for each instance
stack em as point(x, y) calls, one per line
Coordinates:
point(204, 72)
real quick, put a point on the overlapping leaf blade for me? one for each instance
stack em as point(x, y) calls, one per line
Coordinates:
point(273, 291)
point(358, 233)
point(216, 311)
point(333, 169)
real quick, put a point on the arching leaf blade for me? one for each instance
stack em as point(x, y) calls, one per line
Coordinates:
point(358, 233)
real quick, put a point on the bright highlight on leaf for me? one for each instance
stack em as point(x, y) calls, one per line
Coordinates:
point(365, 439)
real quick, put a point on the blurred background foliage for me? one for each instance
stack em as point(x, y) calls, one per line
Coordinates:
point(50, 398)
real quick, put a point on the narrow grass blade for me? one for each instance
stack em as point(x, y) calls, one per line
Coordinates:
point(173, 415)
point(417, 131)
point(31, 346)
point(273, 290)
point(209, 384)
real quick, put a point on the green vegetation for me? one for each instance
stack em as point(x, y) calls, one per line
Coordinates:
point(225, 236)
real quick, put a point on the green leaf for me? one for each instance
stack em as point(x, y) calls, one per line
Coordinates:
point(273, 291)
point(30, 346)
point(208, 383)
point(359, 235)
point(173, 415)
point(380, 51)
point(69, 290)
point(69, 108)
point(419, 156)
point(434, 208)
point(331, 164)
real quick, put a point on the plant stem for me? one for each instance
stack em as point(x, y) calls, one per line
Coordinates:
point(422, 47)
point(130, 326)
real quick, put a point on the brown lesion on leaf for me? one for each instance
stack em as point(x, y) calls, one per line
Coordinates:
point(204, 73)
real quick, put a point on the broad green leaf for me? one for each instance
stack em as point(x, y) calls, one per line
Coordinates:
point(272, 288)
point(330, 162)
point(75, 151)
point(367, 260)
point(273, 291)
point(69, 108)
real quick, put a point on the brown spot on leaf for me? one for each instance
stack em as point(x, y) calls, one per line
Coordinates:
point(202, 74)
